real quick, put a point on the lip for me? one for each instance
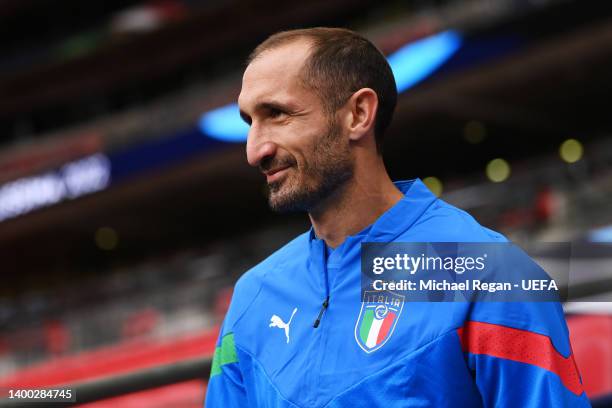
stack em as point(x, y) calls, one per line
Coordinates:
point(275, 174)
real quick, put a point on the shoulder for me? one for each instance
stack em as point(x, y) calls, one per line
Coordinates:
point(248, 287)
point(444, 222)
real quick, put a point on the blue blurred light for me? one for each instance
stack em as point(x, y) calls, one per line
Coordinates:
point(224, 124)
point(416, 61)
point(410, 65)
point(603, 234)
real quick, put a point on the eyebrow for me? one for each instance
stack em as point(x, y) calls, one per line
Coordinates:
point(271, 105)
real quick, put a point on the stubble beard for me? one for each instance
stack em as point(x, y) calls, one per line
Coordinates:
point(328, 170)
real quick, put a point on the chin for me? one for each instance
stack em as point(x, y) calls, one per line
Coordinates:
point(288, 198)
point(282, 202)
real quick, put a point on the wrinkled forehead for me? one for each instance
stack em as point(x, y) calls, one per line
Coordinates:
point(274, 73)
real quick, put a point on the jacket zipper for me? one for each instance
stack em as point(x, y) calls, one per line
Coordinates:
point(326, 301)
point(323, 307)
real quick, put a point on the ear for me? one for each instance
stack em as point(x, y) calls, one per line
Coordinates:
point(361, 113)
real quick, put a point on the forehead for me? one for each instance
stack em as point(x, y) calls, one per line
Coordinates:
point(274, 74)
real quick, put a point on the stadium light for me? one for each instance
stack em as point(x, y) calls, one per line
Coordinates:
point(434, 184)
point(498, 170)
point(602, 234)
point(410, 64)
point(106, 238)
point(571, 151)
point(416, 61)
point(474, 132)
point(224, 124)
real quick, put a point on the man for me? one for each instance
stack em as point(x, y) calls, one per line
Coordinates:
point(318, 102)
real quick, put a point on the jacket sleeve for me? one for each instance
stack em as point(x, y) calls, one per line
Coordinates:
point(520, 355)
point(225, 385)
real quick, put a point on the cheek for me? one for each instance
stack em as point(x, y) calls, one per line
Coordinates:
point(309, 157)
point(303, 148)
point(304, 140)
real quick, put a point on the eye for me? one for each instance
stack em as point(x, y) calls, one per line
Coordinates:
point(275, 113)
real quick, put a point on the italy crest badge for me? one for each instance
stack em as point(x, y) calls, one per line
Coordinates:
point(380, 311)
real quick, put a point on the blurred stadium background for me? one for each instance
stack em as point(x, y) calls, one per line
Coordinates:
point(127, 209)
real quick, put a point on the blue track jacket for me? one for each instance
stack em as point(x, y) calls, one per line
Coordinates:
point(440, 354)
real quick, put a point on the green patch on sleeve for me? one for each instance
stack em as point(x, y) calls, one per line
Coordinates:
point(224, 354)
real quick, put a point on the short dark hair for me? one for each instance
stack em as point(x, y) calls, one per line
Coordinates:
point(341, 63)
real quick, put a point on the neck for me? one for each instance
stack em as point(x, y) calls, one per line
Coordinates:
point(355, 205)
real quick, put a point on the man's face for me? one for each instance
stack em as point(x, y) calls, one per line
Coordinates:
point(298, 146)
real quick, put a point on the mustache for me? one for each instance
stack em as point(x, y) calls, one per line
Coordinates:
point(276, 162)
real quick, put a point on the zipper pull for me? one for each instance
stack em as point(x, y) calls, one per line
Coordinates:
point(323, 307)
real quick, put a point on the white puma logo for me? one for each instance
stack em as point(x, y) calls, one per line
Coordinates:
point(276, 321)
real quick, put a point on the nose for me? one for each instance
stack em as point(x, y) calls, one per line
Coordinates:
point(258, 147)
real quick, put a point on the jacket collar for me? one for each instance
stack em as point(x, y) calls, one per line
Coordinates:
point(399, 218)
point(396, 220)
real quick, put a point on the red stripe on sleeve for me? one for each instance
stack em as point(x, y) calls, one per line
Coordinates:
point(522, 346)
point(386, 326)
